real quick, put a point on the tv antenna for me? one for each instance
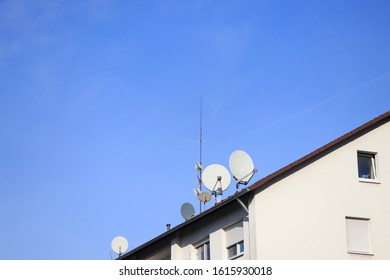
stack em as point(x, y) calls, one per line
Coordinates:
point(198, 165)
point(119, 245)
point(242, 168)
point(216, 179)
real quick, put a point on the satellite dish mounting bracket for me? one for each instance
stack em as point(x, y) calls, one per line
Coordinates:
point(241, 182)
point(217, 191)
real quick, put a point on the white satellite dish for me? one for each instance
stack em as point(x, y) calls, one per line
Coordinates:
point(242, 167)
point(216, 178)
point(204, 197)
point(119, 245)
point(187, 210)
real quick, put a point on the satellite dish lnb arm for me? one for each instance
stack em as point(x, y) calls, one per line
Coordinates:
point(239, 181)
point(219, 178)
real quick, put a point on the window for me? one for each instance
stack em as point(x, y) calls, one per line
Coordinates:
point(234, 240)
point(366, 165)
point(358, 235)
point(203, 251)
point(236, 250)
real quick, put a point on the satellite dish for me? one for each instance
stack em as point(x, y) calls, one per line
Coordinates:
point(216, 178)
point(197, 191)
point(187, 210)
point(119, 245)
point(204, 197)
point(241, 166)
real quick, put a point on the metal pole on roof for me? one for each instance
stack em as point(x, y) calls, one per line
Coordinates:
point(200, 151)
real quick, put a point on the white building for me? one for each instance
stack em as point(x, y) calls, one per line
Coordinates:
point(334, 203)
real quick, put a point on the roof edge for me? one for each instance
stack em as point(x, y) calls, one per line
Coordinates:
point(292, 167)
point(340, 141)
point(209, 211)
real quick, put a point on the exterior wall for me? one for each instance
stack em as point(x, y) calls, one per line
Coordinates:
point(184, 243)
point(303, 215)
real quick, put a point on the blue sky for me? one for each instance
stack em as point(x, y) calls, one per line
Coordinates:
point(100, 100)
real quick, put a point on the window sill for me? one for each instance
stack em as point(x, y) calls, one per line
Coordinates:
point(372, 181)
point(360, 253)
point(236, 256)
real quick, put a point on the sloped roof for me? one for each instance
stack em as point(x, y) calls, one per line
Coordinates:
point(274, 177)
point(320, 152)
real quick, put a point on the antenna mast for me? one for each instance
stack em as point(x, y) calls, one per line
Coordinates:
point(200, 167)
point(200, 144)
point(202, 196)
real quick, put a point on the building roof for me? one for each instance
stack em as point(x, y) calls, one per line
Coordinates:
point(273, 177)
point(324, 150)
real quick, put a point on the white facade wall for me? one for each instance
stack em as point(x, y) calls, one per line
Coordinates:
point(303, 215)
point(184, 244)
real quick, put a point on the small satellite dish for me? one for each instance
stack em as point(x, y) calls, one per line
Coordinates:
point(119, 245)
point(241, 166)
point(204, 197)
point(187, 210)
point(197, 191)
point(216, 178)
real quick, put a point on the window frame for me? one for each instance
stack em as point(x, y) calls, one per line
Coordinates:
point(237, 239)
point(240, 250)
point(204, 245)
point(373, 166)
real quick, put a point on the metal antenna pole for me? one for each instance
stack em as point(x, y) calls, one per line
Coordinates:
point(200, 152)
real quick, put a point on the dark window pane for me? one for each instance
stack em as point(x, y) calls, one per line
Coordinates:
point(200, 253)
point(232, 251)
point(204, 251)
point(365, 166)
point(241, 244)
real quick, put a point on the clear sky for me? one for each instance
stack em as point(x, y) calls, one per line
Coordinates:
point(100, 100)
